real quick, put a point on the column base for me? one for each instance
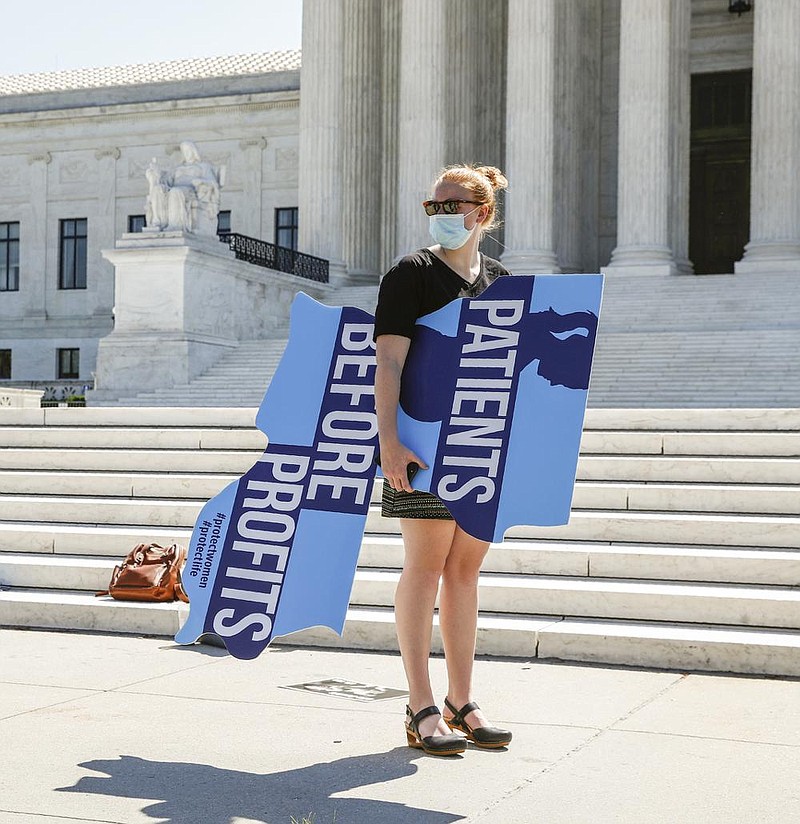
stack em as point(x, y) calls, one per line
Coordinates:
point(531, 262)
point(337, 273)
point(363, 277)
point(641, 260)
point(769, 257)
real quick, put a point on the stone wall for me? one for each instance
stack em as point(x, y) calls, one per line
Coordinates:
point(88, 161)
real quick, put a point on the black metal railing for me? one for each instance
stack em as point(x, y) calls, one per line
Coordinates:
point(261, 253)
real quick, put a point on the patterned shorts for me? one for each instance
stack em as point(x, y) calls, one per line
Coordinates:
point(412, 505)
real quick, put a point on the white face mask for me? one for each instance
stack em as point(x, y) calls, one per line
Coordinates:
point(449, 231)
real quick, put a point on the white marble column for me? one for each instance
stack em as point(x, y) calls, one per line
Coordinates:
point(775, 175)
point(530, 137)
point(421, 117)
point(320, 184)
point(391, 17)
point(569, 148)
point(361, 174)
point(34, 241)
point(104, 228)
point(247, 221)
point(464, 42)
point(680, 119)
point(645, 180)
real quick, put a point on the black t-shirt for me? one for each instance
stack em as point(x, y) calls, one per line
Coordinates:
point(421, 283)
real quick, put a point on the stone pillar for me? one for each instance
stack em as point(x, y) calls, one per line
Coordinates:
point(464, 41)
point(645, 179)
point(390, 83)
point(320, 185)
point(33, 243)
point(362, 139)
point(489, 60)
point(421, 117)
point(248, 220)
point(530, 137)
point(569, 148)
point(775, 177)
point(104, 227)
point(681, 112)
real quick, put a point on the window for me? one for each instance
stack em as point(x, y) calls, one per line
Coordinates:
point(72, 262)
point(9, 258)
point(224, 222)
point(286, 228)
point(5, 363)
point(136, 223)
point(68, 363)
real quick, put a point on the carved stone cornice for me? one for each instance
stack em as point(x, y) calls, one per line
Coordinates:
point(40, 157)
point(111, 151)
point(253, 143)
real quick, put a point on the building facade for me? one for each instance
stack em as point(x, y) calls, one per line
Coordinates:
point(74, 147)
point(638, 136)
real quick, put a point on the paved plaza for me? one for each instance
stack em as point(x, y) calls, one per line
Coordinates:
point(102, 728)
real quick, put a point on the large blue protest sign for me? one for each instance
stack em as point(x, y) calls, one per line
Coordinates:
point(492, 399)
point(276, 551)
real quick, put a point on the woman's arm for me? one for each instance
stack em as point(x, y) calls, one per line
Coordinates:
point(391, 352)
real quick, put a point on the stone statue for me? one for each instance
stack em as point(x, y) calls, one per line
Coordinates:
point(186, 199)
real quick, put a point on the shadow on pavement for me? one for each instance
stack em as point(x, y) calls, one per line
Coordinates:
point(202, 794)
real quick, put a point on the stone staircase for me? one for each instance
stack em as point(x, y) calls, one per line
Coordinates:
point(241, 377)
point(706, 341)
point(683, 550)
point(681, 342)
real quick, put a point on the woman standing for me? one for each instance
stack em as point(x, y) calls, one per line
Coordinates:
point(461, 211)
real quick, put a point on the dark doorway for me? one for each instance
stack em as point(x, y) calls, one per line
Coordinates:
point(719, 189)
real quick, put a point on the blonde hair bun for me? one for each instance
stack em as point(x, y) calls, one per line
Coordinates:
point(481, 181)
point(496, 177)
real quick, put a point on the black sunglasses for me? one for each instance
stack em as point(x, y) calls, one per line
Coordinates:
point(449, 207)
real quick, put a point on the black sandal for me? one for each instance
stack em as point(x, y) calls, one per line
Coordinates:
point(432, 744)
point(490, 738)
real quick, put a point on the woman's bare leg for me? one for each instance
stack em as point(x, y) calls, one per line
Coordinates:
point(458, 618)
point(427, 544)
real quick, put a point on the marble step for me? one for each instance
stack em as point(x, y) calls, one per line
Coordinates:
point(157, 416)
point(224, 401)
point(89, 573)
point(64, 609)
point(634, 418)
point(585, 525)
point(108, 437)
point(752, 470)
point(111, 540)
point(750, 420)
point(101, 511)
point(364, 629)
point(609, 442)
point(650, 527)
point(563, 558)
point(777, 607)
point(130, 460)
point(114, 484)
point(690, 469)
point(685, 647)
point(664, 562)
point(91, 570)
point(672, 646)
point(741, 498)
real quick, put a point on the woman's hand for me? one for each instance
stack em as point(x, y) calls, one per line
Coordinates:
point(395, 458)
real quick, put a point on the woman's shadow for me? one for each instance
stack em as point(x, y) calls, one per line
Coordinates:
point(201, 794)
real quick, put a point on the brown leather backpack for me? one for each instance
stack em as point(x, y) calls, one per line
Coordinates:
point(149, 573)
